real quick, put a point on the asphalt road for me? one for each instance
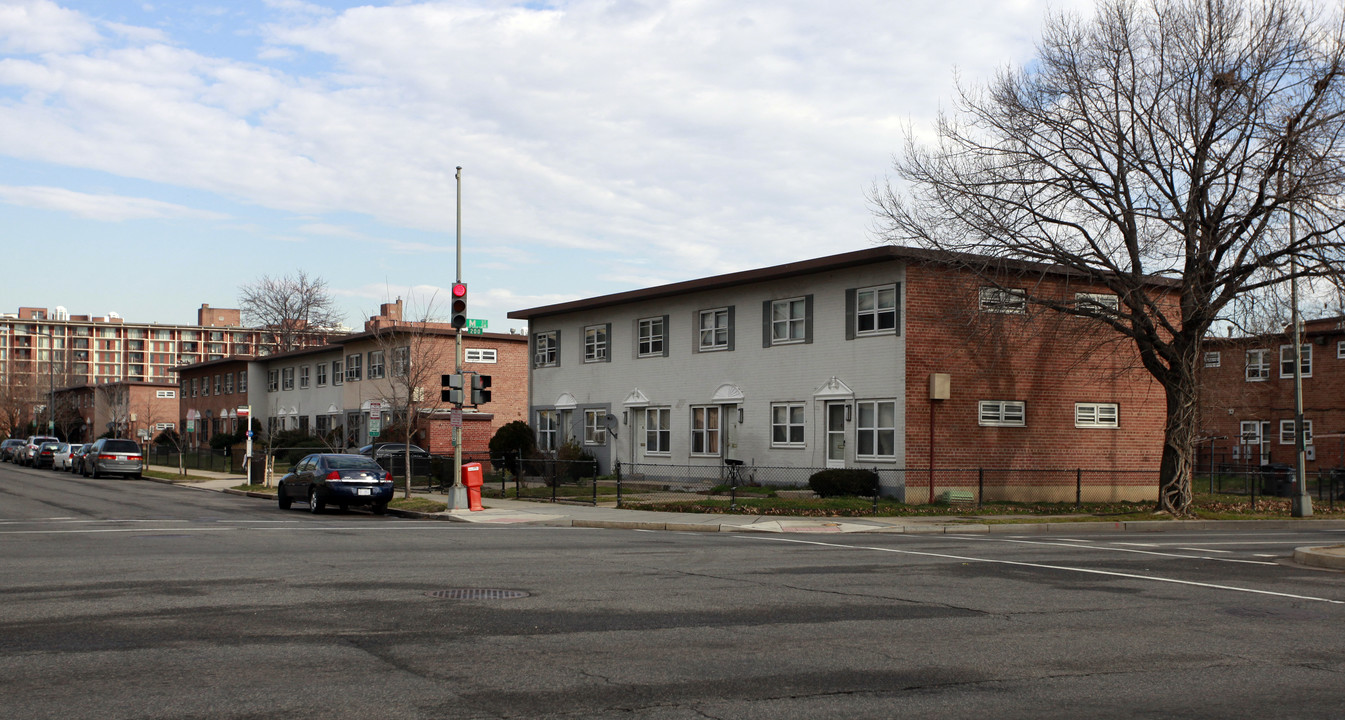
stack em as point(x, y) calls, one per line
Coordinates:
point(126, 599)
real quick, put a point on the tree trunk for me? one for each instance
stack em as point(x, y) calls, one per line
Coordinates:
point(1174, 491)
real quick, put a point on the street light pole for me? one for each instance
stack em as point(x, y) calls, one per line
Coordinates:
point(1302, 502)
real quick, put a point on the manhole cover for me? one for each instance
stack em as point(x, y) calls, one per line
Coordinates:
point(477, 594)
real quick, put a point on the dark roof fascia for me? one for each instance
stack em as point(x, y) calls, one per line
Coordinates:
point(883, 253)
point(445, 332)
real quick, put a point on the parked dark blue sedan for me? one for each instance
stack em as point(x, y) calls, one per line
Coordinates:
point(333, 479)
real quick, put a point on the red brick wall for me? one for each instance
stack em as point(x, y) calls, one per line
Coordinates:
point(1048, 361)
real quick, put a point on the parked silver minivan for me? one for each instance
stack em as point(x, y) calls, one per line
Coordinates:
point(113, 456)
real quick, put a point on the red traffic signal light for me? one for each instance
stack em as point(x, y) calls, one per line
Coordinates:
point(459, 320)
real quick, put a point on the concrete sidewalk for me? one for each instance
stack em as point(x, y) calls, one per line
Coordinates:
point(525, 512)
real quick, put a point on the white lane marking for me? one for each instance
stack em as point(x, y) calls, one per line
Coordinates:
point(1138, 544)
point(1129, 550)
point(1260, 555)
point(1196, 549)
point(1087, 571)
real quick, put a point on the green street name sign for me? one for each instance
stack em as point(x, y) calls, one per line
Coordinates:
point(474, 330)
point(477, 323)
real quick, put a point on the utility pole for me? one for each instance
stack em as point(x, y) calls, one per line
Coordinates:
point(457, 497)
point(1302, 502)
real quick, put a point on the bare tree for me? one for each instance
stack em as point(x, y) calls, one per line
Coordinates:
point(1157, 149)
point(115, 399)
point(17, 397)
point(291, 308)
point(417, 354)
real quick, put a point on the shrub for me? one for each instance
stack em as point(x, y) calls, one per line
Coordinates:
point(512, 442)
point(573, 463)
point(843, 482)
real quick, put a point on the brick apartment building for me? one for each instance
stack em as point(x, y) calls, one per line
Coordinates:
point(335, 390)
point(884, 358)
point(1247, 398)
point(129, 409)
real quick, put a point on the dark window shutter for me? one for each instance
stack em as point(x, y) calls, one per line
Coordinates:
point(807, 318)
point(766, 323)
point(898, 299)
point(850, 314)
point(607, 333)
point(667, 335)
point(695, 331)
point(732, 327)
point(581, 348)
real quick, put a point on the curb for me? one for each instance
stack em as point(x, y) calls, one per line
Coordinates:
point(1331, 557)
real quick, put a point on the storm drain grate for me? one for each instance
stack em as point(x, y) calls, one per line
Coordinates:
point(477, 594)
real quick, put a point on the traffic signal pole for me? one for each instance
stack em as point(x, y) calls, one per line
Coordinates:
point(457, 496)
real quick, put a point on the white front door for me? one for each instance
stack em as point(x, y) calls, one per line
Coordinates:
point(835, 434)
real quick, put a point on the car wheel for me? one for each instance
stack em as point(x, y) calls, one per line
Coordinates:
point(283, 497)
point(95, 472)
point(315, 506)
point(138, 476)
point(380, 508)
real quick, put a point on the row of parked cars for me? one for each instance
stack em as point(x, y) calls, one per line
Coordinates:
point(104, 456)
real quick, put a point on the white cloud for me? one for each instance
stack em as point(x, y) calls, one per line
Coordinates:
point(108, 208)
point(40, 26)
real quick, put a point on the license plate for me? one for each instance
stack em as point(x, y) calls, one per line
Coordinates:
point(121, 457)
point(364, 491)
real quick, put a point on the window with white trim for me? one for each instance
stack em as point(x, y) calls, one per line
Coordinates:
point(377, 369)
point(876, 310)
point(287, 379)
point(305, 373)
point(546, 430)
point(876, 429)
point(322, 374)
point(165, 394)
point(1002, 413)
point(338, 374)
point(1097, 415)
point(657, 431)
point(595, 343)
point(219, 384)
point(228, 383)
point(480, 355)
point(1287, 432)
point(1097, 303)
point(546, 349)
point(789, 321)
point(1340, 350)
point(272, 380)
point(354, 367)
point(1258, 365)
point(1287, 361)
point(705, 430)
point(401, 361)
point(787, 424)
point(595, 427)
point(242, 381)
point(1003, 300)
point(650, 337)
point(1250, 431)
point(714, 330)
point(1212, 359)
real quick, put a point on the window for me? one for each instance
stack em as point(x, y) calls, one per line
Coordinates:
point(1211, 359)
point(337, 372)
point(479, 355)
point(401, 361)
point(1003, 300)
point(228, 383)
point(1003, 412)
point(788, 321)
point(714, 327)
point(1287, 361)
point(354, 368)
point(287, 379)
point(1097, 303)
point(595, 343)
point(376, 370)
point(219, 384)
point(595, 427)
point(546, 349)
point(876, 429)
point(1287, 432)
point(165, 394)
point(322, 374)
point(546, 430)
point(657, 431)
point(304, 372)
point(705, 430)
point(242, 381)
point(649, 334)
point(1258, 365)
point(1096, 415)
point(875, 310)
point(787, 425)
point(1340, 350)
point(272, 380)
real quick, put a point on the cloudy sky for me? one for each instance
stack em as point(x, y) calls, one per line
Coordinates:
point(154, 156)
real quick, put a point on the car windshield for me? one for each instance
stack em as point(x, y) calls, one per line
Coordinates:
point(50, 446)
point(121, 446)
point(351, 462)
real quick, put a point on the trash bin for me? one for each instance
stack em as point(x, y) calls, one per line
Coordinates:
point(1277, 479)
point(257, 469)
point(473, 479)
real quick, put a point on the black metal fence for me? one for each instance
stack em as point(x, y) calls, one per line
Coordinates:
point(1327, 487)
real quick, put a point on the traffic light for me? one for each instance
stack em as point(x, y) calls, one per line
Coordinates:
point(480, 389)
point(459, 306)
point(451, 389)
